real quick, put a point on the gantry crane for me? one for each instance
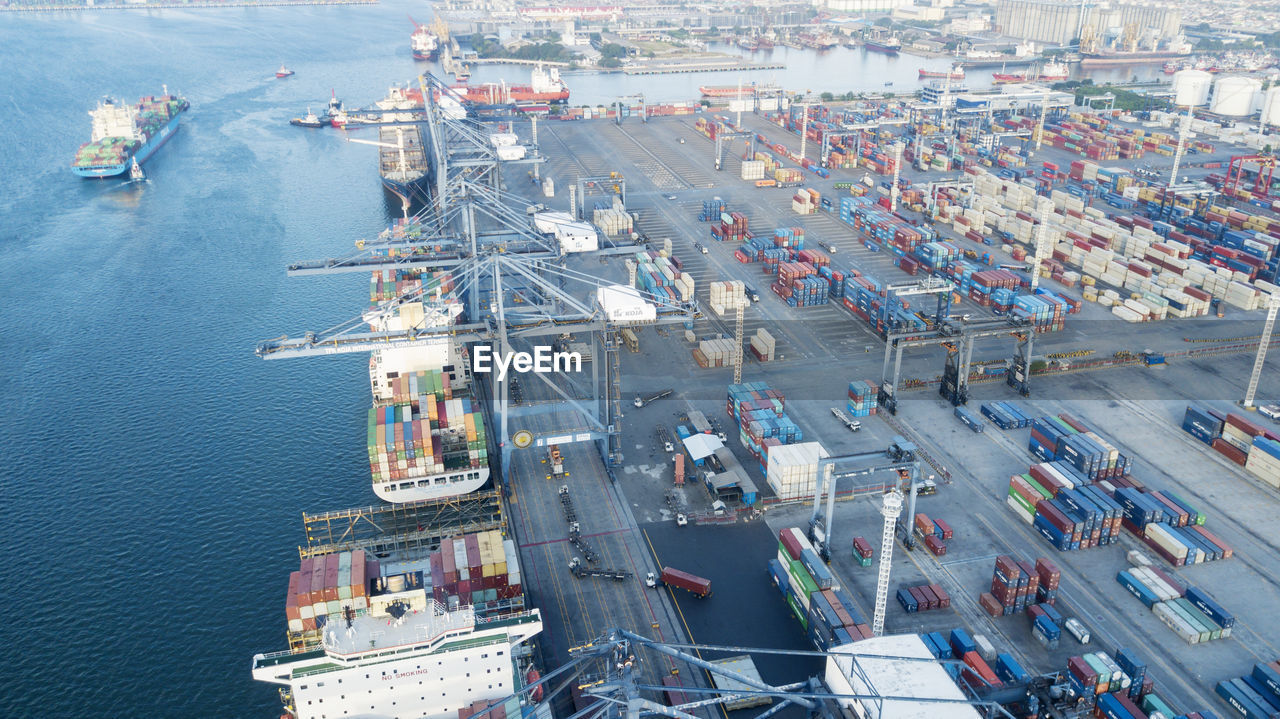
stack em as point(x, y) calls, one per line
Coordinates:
point(612, 680)
point(512, 280)
point(1237, 173)
point(961, 336)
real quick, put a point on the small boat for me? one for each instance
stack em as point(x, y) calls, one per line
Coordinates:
point(135, 171)
point(283, 71)
point(889, 84)
point(308, 120)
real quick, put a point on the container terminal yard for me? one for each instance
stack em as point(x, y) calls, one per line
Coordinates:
point(1025, 374)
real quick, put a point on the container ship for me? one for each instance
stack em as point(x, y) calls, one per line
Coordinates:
point(424, 43)
point(1052, 72)
point(365, 632)
point(402, 160)
point(123, 134)
point(425, 434)
point(729, 91)
point(1106, 58)
point(888, 45)
point(544, 85)
point(956, 74)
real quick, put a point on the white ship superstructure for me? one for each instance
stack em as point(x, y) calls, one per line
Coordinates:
point(402, 638)
point(111, 119)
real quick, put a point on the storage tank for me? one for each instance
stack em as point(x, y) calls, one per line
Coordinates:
point(1191, 87)
point(1233, 96)
point(1271, 107)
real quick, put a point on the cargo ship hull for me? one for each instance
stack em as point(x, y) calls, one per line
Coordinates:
point(933, 74)
point(1129, 58)
point(878, 46)
point(499, 94)
point(142, 154)
point(429, 55)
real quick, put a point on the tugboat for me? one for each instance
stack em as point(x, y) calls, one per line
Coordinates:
point(135, 172)
point(309, 120)
point(283, 71)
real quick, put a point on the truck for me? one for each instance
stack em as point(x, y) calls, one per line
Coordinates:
point(642, 401)
point(554, 461)
point(692, 583)
point(853, 424)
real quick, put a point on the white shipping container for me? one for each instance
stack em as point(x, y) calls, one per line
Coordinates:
point(1161, 536)
point(1019, 510)
point(1175, 622)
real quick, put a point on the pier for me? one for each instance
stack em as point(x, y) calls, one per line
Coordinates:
point(715, 66)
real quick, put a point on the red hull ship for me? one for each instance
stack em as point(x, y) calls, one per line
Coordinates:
point(928, 74)
point(544, 86)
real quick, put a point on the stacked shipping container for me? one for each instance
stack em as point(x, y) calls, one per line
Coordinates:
point(827, 613)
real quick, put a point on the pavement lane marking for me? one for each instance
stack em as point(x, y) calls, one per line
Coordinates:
point(687, 632)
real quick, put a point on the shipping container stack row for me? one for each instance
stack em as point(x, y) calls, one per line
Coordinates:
point(783, 245)
point(923, 598)
point(732, 227)
point(1189, 611)
point(1239, 439)
point(726, 296)
point(1120, 687)
point(480, 569)
point(933, 532)
point(1005, 415)
point(800, 284)
point(975, 672)
point(1017, 586)
point(425, 437)
point(504, 709)
point(389, 284)
point(762, 422)
point(327, 585)
point(1255, 695)
point(763, 346)
point(827, 613)
point(1094, 473)
point(714, 353)
point(663, 276)
point(1070, 518)
point(863, 398)
point(712, 210)
point(1135, 256)
point(805, 201)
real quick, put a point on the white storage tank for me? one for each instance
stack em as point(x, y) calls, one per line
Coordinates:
point(1233, 96)
point(1271, 107)
point(1191, 87)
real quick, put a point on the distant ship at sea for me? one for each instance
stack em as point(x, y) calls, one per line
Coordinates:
point(123, 134)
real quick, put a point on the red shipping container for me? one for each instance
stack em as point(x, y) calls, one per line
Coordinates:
point(944, 599)
point(990, 604)
point(981, 669)
point(291, 597)
point(1229, 451)
point(790, 542)
point(1213, 538)
point(935, 545)
point(1048, 572)
point(946, 528)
